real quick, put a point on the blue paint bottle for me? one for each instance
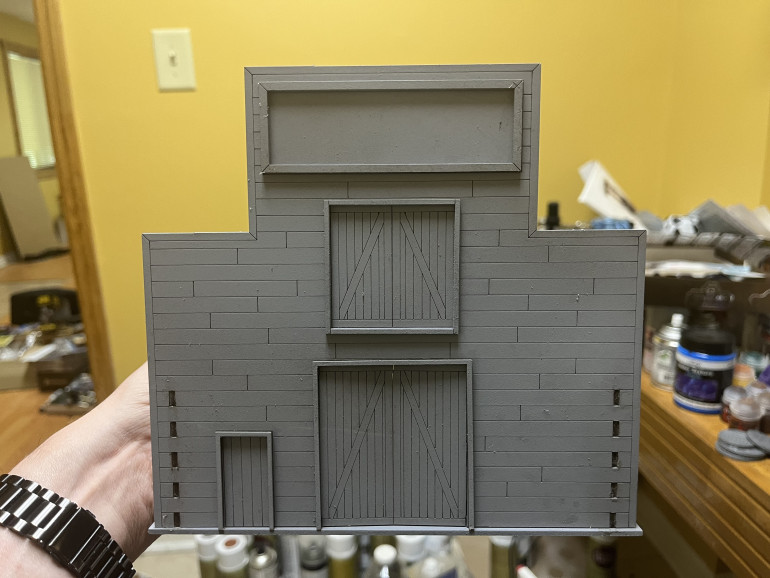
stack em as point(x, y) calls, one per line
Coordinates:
point(705, 360)
point(705, 357)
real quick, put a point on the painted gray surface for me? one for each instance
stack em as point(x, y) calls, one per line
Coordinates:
point(242, 335)
point(244, 480)
point(393, 445)
point(328, 126)
point(393, 267)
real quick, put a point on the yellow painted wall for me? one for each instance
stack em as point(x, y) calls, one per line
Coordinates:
point(720, 100)
point(176, 161)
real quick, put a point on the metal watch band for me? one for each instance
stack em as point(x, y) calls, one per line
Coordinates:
point(71, 534)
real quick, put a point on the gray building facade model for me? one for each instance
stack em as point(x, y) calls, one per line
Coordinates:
point(393, 347)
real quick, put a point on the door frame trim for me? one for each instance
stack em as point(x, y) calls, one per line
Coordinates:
point(467, 363)
point(218, 436)
point(74, 198)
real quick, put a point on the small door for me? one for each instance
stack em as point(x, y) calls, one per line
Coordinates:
point(245, 479)
point(393, 445)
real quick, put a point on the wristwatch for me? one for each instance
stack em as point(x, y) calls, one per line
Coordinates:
point(69, 533)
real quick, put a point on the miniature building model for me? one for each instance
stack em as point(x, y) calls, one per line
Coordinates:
point(393, 347)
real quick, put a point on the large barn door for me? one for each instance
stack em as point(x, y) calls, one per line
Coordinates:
point(393, 446)
point(360, 249)
point(430, 447)
point(423, 267)
point(356, 470)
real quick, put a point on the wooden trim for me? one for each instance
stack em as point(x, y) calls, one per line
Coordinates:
point(73, 192)
point(46, 173)
point(725, 502)
point(7, 70)
point(22, 50)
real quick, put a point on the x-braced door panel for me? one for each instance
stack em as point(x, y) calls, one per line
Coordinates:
point(430, 447)
point(393, 267)
point(361, 264)
point(423, 267)
point(393, 446)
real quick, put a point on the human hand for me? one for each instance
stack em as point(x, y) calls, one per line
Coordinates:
point(102, 462)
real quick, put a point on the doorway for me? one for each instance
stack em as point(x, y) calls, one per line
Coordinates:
point(393, 445)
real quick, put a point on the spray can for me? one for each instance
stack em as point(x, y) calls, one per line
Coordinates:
point(207, 554)
point(233, 555)
point(664, 345)
point(343, 556)
point(263, 562)
point(312, 557)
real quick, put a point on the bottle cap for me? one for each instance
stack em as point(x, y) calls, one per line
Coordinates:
point(436, 543)
point(430, 567)
point(411, 547)
point(385, 555)
point(312, 550)
point(677, 320)
point(755, 388)
point(745, 409)
point(341, 546)
point(233, 553)
point(763, 399)
point(502, 541)
point(742, 375)
point(733, 393)
point(263, 557)
point(206, 545)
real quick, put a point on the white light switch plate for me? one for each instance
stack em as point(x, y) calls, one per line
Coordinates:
point(174, 59)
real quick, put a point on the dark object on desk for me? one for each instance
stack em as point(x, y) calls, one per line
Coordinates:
point(60, 371)
point(552, 221)
point(737, 249)
point(53, 305)
point(75, 399)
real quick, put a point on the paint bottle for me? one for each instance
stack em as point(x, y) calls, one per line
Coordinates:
point(756, 388)
point(312, 557)
point(263, 562)
point(602, 557)
point(743, 375)
point(502, 557)
point(342, 550)
point(375, 541)
point(705, 357)
point(411, 548)
point(233, 556)
point(704, 369)
point(763, 399)
point(744, 414)
point(384, 563)
point(664, 345)
point(207, 554)
point(730, 395)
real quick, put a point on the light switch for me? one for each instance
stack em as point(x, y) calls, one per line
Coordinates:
point(174, 59)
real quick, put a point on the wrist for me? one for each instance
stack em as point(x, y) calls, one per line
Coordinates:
point(101, 467)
